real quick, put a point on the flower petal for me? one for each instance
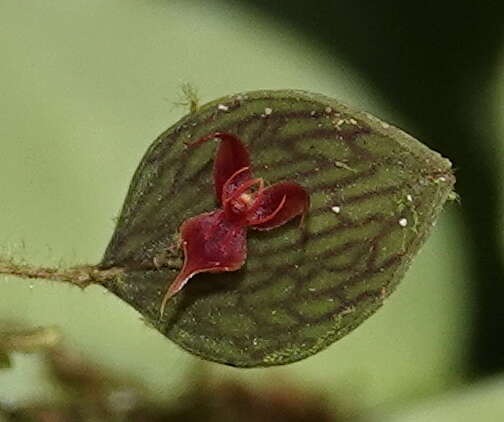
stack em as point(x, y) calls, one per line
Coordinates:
point(278, 204)
point(231, 156)
point(211, 244)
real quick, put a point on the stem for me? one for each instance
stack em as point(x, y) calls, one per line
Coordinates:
point(81, 276)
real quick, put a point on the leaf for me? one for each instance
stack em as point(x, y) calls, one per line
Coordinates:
point(375, 194)
point(479, 401)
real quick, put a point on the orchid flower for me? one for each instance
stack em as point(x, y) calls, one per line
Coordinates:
point(216, 241)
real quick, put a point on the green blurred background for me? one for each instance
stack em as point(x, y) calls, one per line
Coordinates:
point(86, 85)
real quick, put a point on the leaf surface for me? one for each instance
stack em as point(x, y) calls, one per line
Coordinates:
point(375, 194)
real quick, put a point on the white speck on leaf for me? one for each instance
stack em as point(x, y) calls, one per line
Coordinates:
point(383, 292)
point(409, 197)
point(328, 110)
point(347, 310)
point(268, 111)
point(343, 165)
point(223, 107)
point(403, 222)
point(338, 123)
point(336, 209)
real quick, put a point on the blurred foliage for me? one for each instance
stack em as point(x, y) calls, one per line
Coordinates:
point(480, 402)
point(94, 394)
point(14, 338)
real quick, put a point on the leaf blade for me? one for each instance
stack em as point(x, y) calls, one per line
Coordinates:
point(373, 189)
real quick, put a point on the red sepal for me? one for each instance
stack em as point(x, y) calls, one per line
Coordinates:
point(211, 244)
point(231, 157)
point(277, 205)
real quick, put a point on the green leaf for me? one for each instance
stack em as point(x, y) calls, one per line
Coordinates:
point(481, 401)
point(375, 194)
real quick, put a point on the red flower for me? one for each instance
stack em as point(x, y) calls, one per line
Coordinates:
point(216, 241)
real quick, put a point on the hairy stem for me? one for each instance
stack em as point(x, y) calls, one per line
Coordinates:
point(81, 276)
